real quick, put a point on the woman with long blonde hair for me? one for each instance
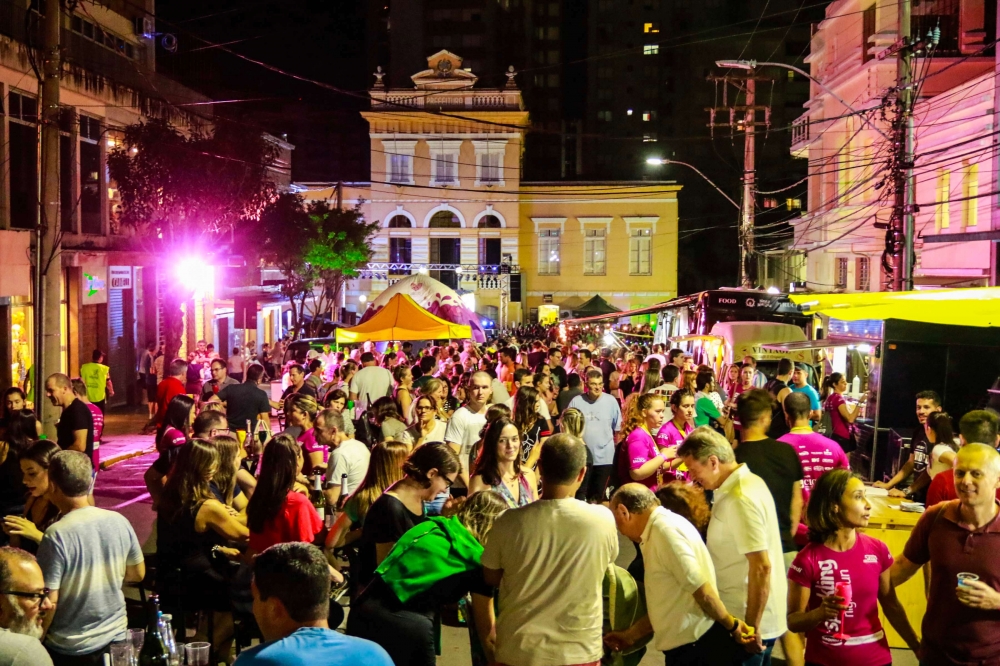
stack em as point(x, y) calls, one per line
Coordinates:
point(384, 469)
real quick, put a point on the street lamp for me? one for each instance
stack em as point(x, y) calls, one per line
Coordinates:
point(750, 65)
point(362, 299)
point(659, 161)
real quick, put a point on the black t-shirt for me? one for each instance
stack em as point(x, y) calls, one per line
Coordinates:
point(75, 417)
point(243, 403)
point(307, 389)
point(607, 367)
point(387, 520)
point(560, 372)
point(919, 446)
point(779, 426)
point(779, 465)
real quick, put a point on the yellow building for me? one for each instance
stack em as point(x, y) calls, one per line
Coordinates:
point(446, 187)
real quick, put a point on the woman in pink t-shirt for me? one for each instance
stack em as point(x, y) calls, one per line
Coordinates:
point(302, 413)
point(673, 433)
point(645, 462)
point(841, 415)
point(839, 553)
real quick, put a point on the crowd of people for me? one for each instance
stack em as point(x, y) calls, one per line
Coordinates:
point(492, 483)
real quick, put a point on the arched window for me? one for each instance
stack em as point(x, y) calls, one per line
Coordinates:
point(489, 222)
point(399, 222)
point(445, 219)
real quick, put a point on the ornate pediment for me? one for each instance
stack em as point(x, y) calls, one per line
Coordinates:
point(444, 72)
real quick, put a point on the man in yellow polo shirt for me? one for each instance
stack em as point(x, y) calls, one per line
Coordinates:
point(95, 376)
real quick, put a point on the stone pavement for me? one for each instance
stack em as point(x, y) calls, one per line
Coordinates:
point(122, 439)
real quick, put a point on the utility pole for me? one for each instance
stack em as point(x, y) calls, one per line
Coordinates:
point(48, 250)
point(902, 224)
point(743, 117)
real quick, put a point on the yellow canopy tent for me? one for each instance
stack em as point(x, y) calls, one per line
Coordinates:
point(402, 319)
point(965, 307)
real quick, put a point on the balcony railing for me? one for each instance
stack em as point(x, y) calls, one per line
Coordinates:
point(472, 100)
point(470, 277)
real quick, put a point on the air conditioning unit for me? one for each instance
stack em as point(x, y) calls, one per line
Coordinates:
point(145, 27)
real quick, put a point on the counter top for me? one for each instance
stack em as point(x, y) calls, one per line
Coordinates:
point(886, 513)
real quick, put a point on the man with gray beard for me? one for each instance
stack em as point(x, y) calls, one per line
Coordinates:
point(24, 603)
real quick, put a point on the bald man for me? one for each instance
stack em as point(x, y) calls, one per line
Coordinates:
point(960, 623)
point(466, 423)
point(75, 429)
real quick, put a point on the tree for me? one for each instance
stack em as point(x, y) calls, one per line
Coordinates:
point(184, 193)
point(318, 248)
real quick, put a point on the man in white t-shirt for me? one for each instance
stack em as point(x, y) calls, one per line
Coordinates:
point(370, 382)
point(347, 456)
point(467, 422)
point(549, 559)
point(695, 623)
point(743, 537)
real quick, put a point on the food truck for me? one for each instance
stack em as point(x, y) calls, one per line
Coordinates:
point(898, 344)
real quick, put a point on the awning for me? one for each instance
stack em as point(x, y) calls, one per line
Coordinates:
point(596, 306)
point(966, 307)
point(689, 338)
point(806, 345)
point(402, 319)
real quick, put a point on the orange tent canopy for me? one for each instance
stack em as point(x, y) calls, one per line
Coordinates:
point(402, 319)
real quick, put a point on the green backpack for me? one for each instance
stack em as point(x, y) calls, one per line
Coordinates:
point(624, 605)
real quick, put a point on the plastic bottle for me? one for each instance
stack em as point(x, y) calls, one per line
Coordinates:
point(856, 385)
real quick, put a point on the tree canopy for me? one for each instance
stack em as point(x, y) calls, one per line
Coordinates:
point(318, 247)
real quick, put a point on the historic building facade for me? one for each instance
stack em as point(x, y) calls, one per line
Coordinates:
point(446, 186)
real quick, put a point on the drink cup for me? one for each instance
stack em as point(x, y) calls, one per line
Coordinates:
point(121, 653)
point(197, 653)
point(965, 578)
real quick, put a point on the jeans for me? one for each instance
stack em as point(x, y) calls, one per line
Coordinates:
point(717, 648)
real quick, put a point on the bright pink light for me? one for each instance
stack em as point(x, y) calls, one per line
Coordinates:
point(198, 276)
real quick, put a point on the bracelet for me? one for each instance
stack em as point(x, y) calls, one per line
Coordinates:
point(736, 624)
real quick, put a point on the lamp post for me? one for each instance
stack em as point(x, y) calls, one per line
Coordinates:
point(658, 161)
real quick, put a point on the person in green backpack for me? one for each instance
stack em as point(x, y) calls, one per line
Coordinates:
point(433, 564)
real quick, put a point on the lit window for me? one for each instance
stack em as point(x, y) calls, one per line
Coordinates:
point(649, 137)
point(640, 249)
point(942, 212)
point(970, 186)
point(793, 204)
point(770, 203)
point(594, 251)
point(548, 252)
point(628, 112)
point(650, 28)
point(650, 49)
point(604, 116)
point(648, 115)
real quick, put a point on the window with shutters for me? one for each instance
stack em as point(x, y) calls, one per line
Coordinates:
point(489, 162)
point(640, 252)
point(22, 113)
point(942, 212)
point(548, 252)
point(841, 277)
point(594, 251)
point(970, 192)
point(862, 274)
point(867, 32)
point(401, 169)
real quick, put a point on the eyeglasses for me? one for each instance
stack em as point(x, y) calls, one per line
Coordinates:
point(214, 432)
point(448, 481)
point(36, 596)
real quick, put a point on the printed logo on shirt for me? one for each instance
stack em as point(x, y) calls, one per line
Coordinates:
point(871, 559)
